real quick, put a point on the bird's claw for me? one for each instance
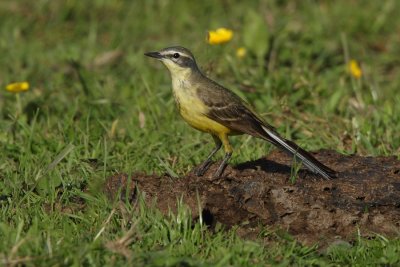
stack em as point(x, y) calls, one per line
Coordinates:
point(200, 171)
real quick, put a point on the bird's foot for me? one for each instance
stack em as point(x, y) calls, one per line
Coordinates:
point(223, 165)
point(219, 171)
point(200, 171)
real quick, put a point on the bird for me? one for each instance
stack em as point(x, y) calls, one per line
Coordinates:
point(211, 108)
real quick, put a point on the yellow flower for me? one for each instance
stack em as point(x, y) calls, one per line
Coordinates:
point(219, 36)
point(354, 69)
point(17, 87)
point(241, 52)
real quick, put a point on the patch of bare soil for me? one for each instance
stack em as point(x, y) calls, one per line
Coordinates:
point(365, 196)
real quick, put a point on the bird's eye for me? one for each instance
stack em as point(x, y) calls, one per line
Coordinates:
point(176, 55)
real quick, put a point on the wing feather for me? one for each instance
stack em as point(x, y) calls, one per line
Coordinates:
point(230, 110)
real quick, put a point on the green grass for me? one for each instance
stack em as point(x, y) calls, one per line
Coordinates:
point(122, 115)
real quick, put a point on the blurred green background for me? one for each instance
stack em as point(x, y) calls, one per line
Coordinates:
point(97, 106)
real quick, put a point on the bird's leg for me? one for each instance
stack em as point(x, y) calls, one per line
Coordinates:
point(206, 164)
point(228, 154)
point(221, 167)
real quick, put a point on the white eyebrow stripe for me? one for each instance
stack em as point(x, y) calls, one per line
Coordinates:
point(171, 52)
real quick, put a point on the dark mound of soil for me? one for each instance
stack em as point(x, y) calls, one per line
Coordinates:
point(365, 196)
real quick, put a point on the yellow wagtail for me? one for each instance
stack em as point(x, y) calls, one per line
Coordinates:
point(211, 108)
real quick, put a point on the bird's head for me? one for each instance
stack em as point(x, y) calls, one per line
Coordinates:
point(177, 59)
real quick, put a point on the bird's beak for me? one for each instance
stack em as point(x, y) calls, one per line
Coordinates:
point(156, 55)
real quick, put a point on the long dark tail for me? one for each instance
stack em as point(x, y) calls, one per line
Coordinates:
point(307, 159)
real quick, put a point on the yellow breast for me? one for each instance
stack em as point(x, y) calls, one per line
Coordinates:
point(193, 110)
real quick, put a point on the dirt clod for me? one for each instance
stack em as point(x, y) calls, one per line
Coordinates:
point(365, 196)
